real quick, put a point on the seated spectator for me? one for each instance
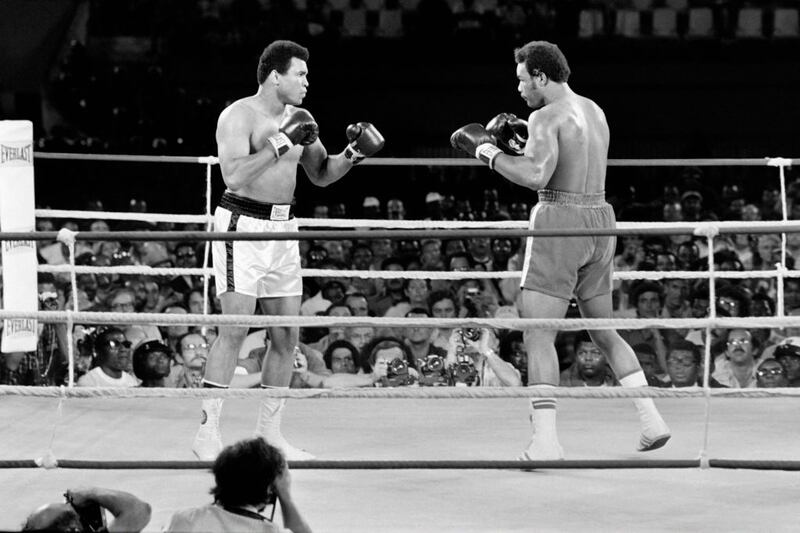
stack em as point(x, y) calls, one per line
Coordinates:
point(419, 339)
point(649, 363)
point(112, 356)
point(152, 362)
point(194, 301)
point(685, 366)
point(359, 336)
point(357, 302)
point(52, 346)
point(788, 355)
point(736, 368)
point(171, 334)
point(512, 350)
point(415, 293)
point(335, 333)
point(771, 374)
point(590, 368)
point(185, 257)
point(391, 292)
point(20, 368)
point(341, 357)
point(130, 513)
point(442, 305)
point(648, 299)
point(250, 476)
point(123, 300)
point(190, 362)
point(362, 259)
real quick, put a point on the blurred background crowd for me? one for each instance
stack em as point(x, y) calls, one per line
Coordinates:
point(677, 78)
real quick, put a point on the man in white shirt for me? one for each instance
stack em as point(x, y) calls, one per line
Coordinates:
point(112, 355)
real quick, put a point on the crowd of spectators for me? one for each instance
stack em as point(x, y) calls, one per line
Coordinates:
point(346, 356)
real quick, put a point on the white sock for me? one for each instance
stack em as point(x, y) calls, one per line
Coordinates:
point(648, 413)
point(544, 415)
point(270, 412)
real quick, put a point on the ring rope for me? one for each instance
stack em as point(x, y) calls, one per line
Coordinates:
point(432, 161)
point(728, 225)
point(423, 465)
point(128, 158)
point(788, 227)
point(418, 274)
point(261, 321)
point(415, 393)
point(121, 215)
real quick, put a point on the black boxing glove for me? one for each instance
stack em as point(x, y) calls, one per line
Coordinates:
point(298, 127)
point(510, 132)
point(365, 140)
point(476, 141)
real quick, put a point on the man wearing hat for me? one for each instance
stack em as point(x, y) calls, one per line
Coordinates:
point(788, 355)
point(371, 207)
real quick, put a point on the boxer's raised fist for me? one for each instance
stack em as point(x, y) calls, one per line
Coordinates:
point(365, 140)
point(510, 132)
point(476, 141)
point(299, 127)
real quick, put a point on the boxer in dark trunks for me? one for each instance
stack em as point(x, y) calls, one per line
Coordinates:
point(561, 152)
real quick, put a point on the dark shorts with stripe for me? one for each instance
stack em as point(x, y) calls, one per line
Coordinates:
point(567, 266)
point(256, 268)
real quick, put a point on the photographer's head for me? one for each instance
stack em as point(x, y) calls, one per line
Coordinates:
point(48, 292)
point(341, 357)
point(384, 350)
point(54, 517)
point(244, 473)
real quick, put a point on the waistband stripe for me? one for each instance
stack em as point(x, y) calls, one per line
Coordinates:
point(256, 209)
point(575, 199)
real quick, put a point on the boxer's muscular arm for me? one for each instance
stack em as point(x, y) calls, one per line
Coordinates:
point(535, 168)
point(322, 169)
point(240, 167)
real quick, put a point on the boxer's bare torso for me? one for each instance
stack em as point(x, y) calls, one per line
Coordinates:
point(579, 129)
point(242, 130)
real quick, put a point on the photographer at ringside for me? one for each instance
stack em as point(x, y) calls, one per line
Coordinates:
point(250, 476)
point(472, 353)
point(84, 512)
point(391, 360)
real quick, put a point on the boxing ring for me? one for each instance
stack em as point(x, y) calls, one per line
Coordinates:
point(431, 459)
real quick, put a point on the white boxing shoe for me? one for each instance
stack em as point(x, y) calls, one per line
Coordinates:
point(207, 443)
point(290, 452)
point(268, 426)
point(653, 437)
point(539, 450)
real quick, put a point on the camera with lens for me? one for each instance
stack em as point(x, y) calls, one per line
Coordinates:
point(91, 515)
point(463, 371)
point(48, 300)
point(471, 334)
point(397, 374)
point(433, 372)
point(470, 294)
